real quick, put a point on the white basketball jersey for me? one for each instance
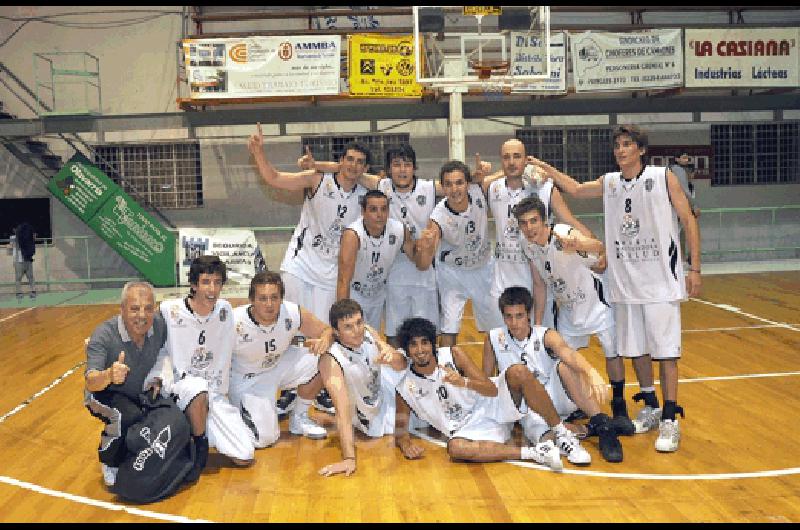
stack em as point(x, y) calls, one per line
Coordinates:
point(413, 209)
point(579, 293)
point(530, 351)
point(313, 252)
point(465, 235)
point(259, 348)
point(641, 228)
point(375, 257)
point(362, 375)
point(200, 346)
point(511, 266)
point(445, 407)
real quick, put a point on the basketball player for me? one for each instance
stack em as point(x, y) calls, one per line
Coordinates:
point(331, 203)
point(645, 271)
point(119, 355)
point(369, 249)
point(352, 373)
point(464, 262)
point(510, 267)
point(446, 389)
point(570, 381)
point(266, 359)
point(562, 257)
point(195, 363)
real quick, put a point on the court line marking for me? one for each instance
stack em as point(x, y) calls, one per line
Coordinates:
point(99, 504)
point(18, 313)
point(738, 311)
point(633, 476)
point(28, 401)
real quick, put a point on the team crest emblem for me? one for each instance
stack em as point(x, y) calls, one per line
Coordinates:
point(479, 202)
point(357, 286)
point(648, 184)
point(202, 358)
point(288, 324)
point(630, 226)
point(421, 200)
point(559, 285)
point(392, 239)
point(537, 344)
point(157, 446)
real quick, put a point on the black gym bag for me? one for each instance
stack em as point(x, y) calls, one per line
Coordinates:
point(160, 452)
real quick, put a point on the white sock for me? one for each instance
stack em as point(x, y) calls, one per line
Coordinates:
point(560, 430)
point(647, 388)
point(527, 453)
point(301, 406)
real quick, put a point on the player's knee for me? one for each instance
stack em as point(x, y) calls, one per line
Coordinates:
point(517, 375)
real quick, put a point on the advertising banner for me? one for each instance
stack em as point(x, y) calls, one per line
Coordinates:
point(526, 59)
point(752, 57)
point(382, 66)
point(263, 66)
point(117, 218)
point(627, 61)
point(238, 248)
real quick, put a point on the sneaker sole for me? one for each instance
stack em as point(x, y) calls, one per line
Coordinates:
point(669, 450)
point(311, 436)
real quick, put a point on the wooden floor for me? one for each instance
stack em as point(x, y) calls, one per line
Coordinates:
point(738, 462)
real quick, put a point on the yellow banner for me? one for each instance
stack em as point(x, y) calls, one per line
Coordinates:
point(483, 10)
point(382, 66)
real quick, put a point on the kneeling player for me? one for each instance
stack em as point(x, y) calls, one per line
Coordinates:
point(265, 360)
point(570, 381)
point(354, 375)
point(446, 389)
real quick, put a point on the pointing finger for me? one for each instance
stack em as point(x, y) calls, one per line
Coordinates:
point(258, 126)
point(308, 150)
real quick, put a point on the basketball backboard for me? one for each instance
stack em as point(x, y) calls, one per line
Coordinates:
point(469, 46)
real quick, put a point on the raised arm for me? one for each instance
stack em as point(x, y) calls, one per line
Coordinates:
point(409, 245)
point(577, 242)
point(689, 222)
point(348, 253)
point(587, 190)
point(564, 214)
point(273, 177)
point(539, 294)
point(472, 379)
point(426, 245)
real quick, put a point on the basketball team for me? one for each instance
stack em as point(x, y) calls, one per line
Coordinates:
point(372, 253)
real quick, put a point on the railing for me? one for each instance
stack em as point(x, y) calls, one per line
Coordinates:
point(730, 233)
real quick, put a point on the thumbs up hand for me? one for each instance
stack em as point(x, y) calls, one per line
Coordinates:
point(119, 370)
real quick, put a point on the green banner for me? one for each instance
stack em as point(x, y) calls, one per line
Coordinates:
point(118, 219)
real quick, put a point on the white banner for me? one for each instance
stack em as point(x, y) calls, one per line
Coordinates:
point(526, 59)
point(752, 57)
point(627, 61)
point(263, 66)
point(238, 248)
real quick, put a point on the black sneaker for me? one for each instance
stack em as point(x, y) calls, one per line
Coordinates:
point(576, 415)
point(200, 458)
point(324, 402)
point(610, 447)
point(286, 402)
point(621, 422)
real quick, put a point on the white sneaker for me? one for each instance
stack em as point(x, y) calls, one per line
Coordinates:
point(570, 447)
point(546, 453)
point(669, 436)
point(647, 419)
point(109, 474)
point(302, 424)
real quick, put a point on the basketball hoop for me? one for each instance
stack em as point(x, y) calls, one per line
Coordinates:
point(486, 68)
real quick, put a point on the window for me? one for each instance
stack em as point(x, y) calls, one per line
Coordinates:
point(159, 174)
point(582, 153)
point(761, 153)
point(330, 148)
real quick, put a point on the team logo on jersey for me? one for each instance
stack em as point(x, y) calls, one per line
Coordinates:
point(512, 229)
point(630, 225)
point(501, 338)
point(288, 323)
point(157, 446)
point(537, 344)
point(249, 376)
point(648, 184)
point(245, 337)
point(329, 191)
point(559, 285)
point(611, 188)
point(175, 315)
point(317, 241)
point(201, 359)
point(392, 239)
point(357, 286)
point(223, 314)
point(421, 200)
point(479, 202)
